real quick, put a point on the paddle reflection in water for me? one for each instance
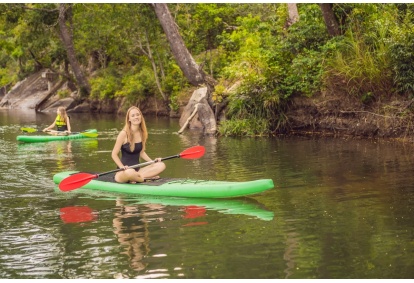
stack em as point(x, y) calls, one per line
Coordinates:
point(77, 214)
point(194, 211)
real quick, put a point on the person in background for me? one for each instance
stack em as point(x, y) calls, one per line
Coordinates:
point(61, 122)
point(131, 143)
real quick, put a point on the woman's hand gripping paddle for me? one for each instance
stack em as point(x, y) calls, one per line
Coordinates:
point(78, 180)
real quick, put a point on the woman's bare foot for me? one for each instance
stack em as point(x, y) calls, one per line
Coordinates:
point(140, 180)
point(152, 178)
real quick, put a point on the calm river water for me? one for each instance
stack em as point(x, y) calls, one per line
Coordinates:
point(341, 208)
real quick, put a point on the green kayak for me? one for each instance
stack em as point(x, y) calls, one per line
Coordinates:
point(173, 187)
point(92, 133)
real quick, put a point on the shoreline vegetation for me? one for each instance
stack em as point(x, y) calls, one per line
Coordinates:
point(342, 69)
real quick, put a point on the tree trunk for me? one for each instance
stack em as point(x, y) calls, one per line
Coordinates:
point(293, 14)
point(66, 37)
point(195, 75)
point(148, 53)
point(330, 20)
point(183, 57)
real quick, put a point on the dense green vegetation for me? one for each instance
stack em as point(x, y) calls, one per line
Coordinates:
point(124, 52)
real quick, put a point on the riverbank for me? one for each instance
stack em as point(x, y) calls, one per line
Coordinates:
point(340, 115)
point(327, 114)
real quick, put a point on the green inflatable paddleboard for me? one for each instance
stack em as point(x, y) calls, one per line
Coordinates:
point(92, 133)
point(176, 187)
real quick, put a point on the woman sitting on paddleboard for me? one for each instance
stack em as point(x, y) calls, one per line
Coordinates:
point(61, 122)
point(131, 143)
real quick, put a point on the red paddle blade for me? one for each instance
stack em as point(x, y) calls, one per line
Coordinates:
point(193, 152)
point(76, 181)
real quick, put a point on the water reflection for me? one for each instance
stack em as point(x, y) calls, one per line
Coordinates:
point(340, 209)
point(131, 228)
point(192, 212)
point(57, 152)
point(243, 206)
point(292, 243)
point(77, 214)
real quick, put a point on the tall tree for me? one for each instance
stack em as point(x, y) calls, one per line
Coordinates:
point(192, 71)
point(293, 14)
point(330, 20)
point(66, 35)
point(185, 60)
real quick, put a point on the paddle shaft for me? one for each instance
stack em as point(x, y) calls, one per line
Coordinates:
point(93, 176)
point(137, 165)
point(85, 133)
point(32, 130)
point(64, 132)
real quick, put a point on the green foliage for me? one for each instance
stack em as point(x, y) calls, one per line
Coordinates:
point(244, 127)
point(28, 33)
point(309, 33)
point(301, 54)
point(100, 29)
point(247, 46)
point(174, 81)
point(8, 76)
point(135, 84)
point(105, 85)
point(138, 85)
point(62, 93)
point(202, 23)
point(257, 103)
point(273, 68)
point(402, 53)
point(362, 60)
point(219, 93)
point(306, 73)
point(174, 104)
point(402, 57)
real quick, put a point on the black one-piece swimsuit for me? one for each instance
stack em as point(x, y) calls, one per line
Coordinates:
point(131, 158)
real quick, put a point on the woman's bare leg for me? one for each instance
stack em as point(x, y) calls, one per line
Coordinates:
point(129, 175)
point(152, 170)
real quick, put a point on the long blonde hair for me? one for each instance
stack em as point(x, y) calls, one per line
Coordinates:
point(142, 129)
point(62, 114)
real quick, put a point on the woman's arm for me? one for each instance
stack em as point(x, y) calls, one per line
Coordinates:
point(68, 123)
point(117, 147)
point(145, 156)
point(50, 127)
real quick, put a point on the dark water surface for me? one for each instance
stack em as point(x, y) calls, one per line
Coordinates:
point(341, 208)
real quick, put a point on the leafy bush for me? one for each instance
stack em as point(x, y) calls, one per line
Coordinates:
point(8, 75)
point(244, 127)
point(62, 93)
point(402, 56)
point(139, 85)
point(105, 85)
point(361, 64)
point(402, 53)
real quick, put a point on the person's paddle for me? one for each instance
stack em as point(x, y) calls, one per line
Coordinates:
point(84, 133)
point(78, 180)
